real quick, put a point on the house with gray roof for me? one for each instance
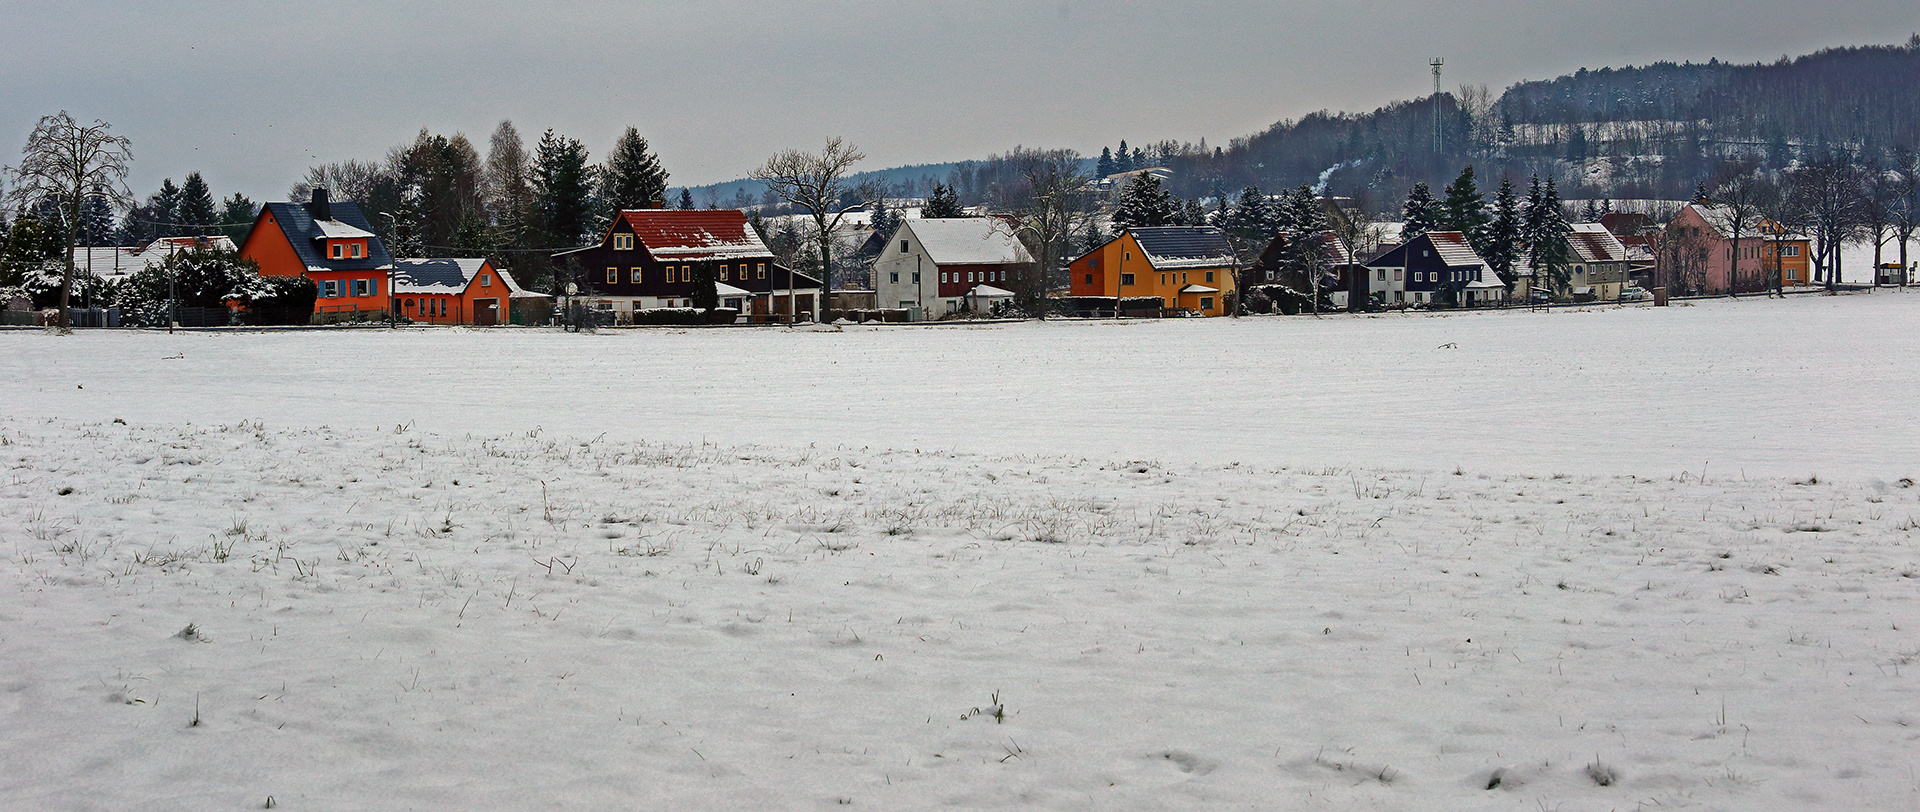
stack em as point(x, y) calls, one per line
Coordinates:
point(946, 266)
point(1438, 267)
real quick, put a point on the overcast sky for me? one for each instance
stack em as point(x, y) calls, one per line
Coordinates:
point(250, 94)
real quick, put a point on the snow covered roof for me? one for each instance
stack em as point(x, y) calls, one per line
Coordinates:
point(1171, 247)
point(967, 241)
point(114, 262)
point(681, 234)
point(434, 275)
point(723, 289)
point(1199, 289)
point(1592, 242)
point(989, 292)
point(1453, 249)
point(336, 230)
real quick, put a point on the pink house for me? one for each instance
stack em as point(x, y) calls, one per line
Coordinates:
point(1695, 253)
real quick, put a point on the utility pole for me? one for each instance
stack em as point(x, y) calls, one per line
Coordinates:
point(1439, 132)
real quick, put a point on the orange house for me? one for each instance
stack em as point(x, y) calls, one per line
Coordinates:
point(330, 243)
point(460, 291)
point(1187, 267)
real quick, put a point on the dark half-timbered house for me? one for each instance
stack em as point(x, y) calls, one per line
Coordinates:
point(660, 258)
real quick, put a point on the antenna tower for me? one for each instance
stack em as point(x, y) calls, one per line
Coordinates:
point(1439, 132)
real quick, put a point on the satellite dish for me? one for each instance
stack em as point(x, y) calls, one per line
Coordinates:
point(573, 289)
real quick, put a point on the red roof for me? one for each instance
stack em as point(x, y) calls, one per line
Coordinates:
point(695, 234)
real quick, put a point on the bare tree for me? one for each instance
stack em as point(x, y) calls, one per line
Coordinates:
point(64, 162)
point(1879, 195)
point(1048, 208)
point(1735, 211)
point(816, 183)
point(1826, 196)
point(1906, 205)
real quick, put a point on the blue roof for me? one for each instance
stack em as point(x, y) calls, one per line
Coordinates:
point(298, 224)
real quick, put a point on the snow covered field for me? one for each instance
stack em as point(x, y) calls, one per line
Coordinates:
point(1604, 559)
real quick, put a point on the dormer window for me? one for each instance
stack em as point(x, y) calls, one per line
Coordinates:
point(337, 250)
point(623, 242)
point(356, 250)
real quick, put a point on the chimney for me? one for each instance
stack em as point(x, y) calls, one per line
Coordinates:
point(320, 208)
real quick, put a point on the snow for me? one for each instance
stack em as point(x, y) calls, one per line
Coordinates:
point(1603, 558)
point(969, 240)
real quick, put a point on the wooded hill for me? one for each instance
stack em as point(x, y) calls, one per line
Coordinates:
point(1635, 132)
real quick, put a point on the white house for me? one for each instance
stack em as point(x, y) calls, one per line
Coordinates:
point(947, 266)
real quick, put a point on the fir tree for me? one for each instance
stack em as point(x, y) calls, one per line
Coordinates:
point(1105, 166)
point(561, 195)
point(1191, 214)
point(1091, 238)
point(632, 177)
point(1122, 159)
point(686, 199)
point(1546, 238)
point(1421, 214)
point(1251, 218)
point(164, 214)
point(1503, 233)
point(1465, 210)
point(1143, 204)
point(885, 219)
point(943, 202)
point(196, 206)
point(96, 219)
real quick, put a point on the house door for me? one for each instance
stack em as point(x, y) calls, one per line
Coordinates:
point(486, 312)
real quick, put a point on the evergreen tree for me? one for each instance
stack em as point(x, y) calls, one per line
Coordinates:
point(1122, 159)
point(632, 177)
point(1250, 219)
point(1421, 214)
point(1105, 166)
point(1140, 160)
point(561, 194)
point(1546, 237)
point(1092, 237)
point(1191, 214)
point(686, 199)
point(236, 216)
point(96, 219)
point(1465, 210)
point(196, 213)
point(1503, 233)
point(163, 215)
point(885, 219)
point(942, 203)
point(1143, 204)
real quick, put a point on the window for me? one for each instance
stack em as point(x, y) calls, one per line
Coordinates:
point(1790, 275)
point(623, 242)
point(686, 273)
point(723, 272)
point(486, 280)
point(328, 289)
point(903, 246)
point(1126, 279)
point(970, 279)
point(613, 275)
point(360, 287)
point(356, 249)
point(1209, 277)
point(1126, 256)
point(916, 277)
point(1183, 277)
point(338, 250)
point(1399, 296)
point(1790, 250)
point(669, 274)
point(762, 268)
point(1383, 274)
point(1396, 276)
point(1089, 279)
point(1206, 303)
point(1419, 276)
point(894, 277)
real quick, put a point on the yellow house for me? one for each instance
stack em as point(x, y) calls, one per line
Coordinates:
point(1188, 268)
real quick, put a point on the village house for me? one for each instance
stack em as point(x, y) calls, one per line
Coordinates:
point(1189, 268)
point(1338, 270)
point(651, 258)
point(110, 262)
point(1599, 262)
point(1696, 253)
point(942, 267)
point(1438, 266)
point(331, 243)
point(463, 291)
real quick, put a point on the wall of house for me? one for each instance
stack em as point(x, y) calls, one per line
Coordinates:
point(267, 246)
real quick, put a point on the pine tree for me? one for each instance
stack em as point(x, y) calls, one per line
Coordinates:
point(1105, 166)
point(1122, 159)
point(686, 199)
point(165, 208)
point(1091, 238)
point(1421, 214)
point(1251, 218)
point(196, 206)
point(1191, 213)
point(885, 219)
point(1503, 233)
point(561, 195)
point(632, 177)
point(942, 203)
point(1465, 210)
point(96, 219)
point(1546, 238)
point(1143, 204)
